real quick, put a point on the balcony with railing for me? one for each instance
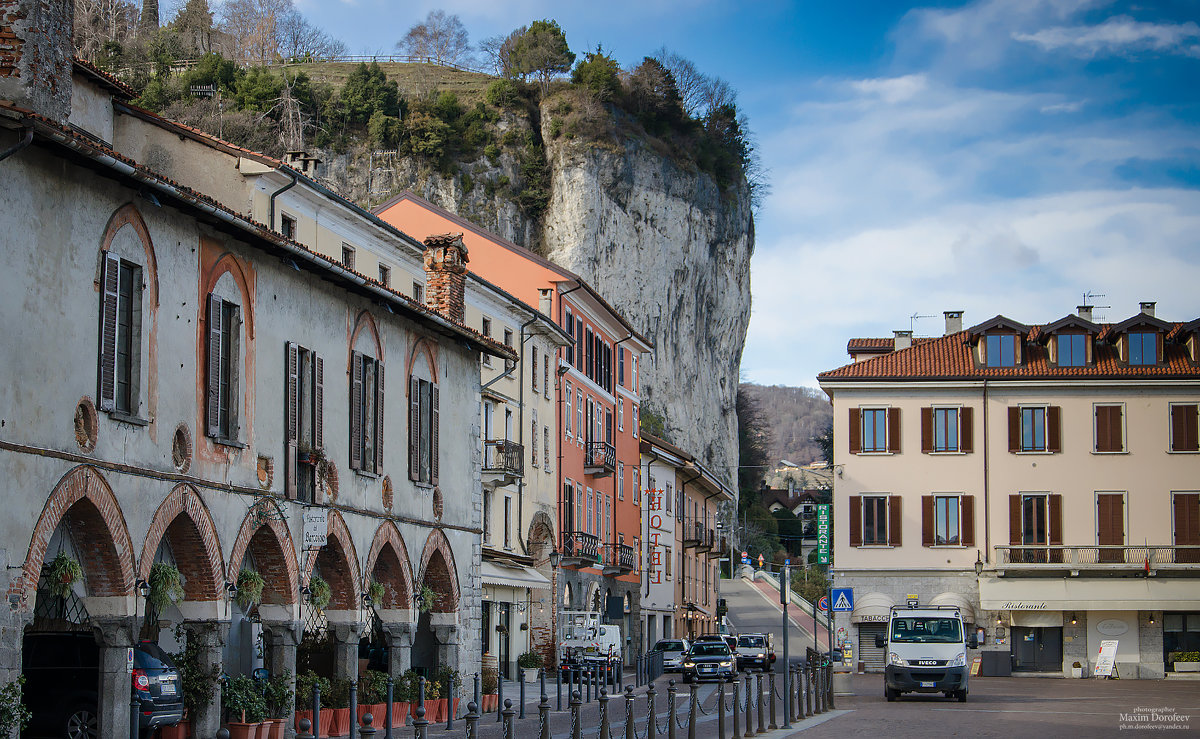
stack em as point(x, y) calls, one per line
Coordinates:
point(619, 559)
point(693, 533)
point(503, 462)
point(580, 549)
point(600, 459)
point(1045, 559)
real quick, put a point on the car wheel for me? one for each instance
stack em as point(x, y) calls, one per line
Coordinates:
point(81, 723)
point(890, 694)
point(962, 696)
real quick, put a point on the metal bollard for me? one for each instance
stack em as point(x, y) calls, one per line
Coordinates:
point(472, 720)
point(508, 714)
point(304, 732)
point(222, 733)
point(736, 710)
point(771, 695)
point(353, 707)
point(692, 701)
point(819, 695)
point(522, 694)
point(604, 722)
point(831, 706)
point(316, 719)
point(544, 711)
point(499, 694)
point(421, 732)
point(630, 732)
point(672, 693)
point(387, 711)
point(587, 684)
point(650, 727)
point(558, 681)
point(576, 728)
point(758, 695)
point(720, 710)
point(749, 709)
point(367, 731)
point(135, 707)
point(449, 703)
point(419, 723)
point(475, 694)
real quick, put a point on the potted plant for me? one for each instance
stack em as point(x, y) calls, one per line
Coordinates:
point(530, 663)
point(319, 592)
point(404, 698)
point(425, 598)
point(166, 586)
point(339, 706)
point(245, 707)
point(62, 572)
point(375, 592)
point(249, 588)
point(305, 682)
point(197, 685)
point(435, 705)
point(14, 715)
point(280, 696)
point(372, 695)
point(1077, 670)
point(1186, 661)
point(490, 696)
point(447, 680)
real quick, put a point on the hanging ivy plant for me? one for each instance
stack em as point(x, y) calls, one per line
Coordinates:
point(62, 572)
point(426, 598)
point(375, 591)
point(320, 591)
point(250, 587)
point(166, 586)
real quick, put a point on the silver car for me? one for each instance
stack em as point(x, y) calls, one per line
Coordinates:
point(673, 651)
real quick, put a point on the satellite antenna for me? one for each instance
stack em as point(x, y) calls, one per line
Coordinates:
point(912, 320)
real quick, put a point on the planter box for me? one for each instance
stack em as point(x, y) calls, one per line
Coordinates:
point(326, 719)
point(1187, 666)
point(378, 713)
point(530, 675)
point(239, 730)
point(273, 728)
point(178, 731)
point(400, 711)
point(489, 701)
point(339, 721)
point(1077, 672)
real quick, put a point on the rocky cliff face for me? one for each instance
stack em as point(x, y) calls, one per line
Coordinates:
point(662, 243)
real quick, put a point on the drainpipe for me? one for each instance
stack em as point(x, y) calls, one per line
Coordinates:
point(521, 435)
point(277, 193)
point(26, 140)
point(558, 476)
point(987, 528)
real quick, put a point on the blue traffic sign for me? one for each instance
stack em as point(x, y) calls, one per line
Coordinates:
point(843, 600)
point(787, 563)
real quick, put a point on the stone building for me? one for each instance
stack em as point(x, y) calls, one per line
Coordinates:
point(190, 387)
point(1042, 478)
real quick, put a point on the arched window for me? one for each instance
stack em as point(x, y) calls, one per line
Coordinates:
point(422, 420)
point(223, 315)
point(123, 277)
point(366, 400)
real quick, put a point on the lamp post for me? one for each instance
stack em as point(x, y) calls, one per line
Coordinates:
point(555, 558)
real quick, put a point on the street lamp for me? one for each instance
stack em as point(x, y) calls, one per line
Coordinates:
point(978, 563)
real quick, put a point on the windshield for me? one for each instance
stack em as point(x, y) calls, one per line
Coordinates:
point(926, 630)
point(751, 641)
point(669, 646)
point(709, 650)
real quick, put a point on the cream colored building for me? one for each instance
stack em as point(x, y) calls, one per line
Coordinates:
point(1059, 462)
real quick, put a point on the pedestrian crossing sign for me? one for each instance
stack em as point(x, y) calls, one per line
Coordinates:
point(843, 600)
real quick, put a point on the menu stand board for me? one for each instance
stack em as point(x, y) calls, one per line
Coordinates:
point(1106, 661)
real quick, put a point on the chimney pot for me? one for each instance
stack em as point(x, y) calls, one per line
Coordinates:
point(1084, 311)
point(1148, 307)
point(445, 260)
point(903, 339)
point(545, 304)
point(953, 321)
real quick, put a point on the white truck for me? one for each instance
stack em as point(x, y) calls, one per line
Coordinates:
point(587, 645)
point(926, 652)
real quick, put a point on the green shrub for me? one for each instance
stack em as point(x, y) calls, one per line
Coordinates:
point(599, 73)
point(14, 715)
point(492, 152)
point(339, 693)
point(279, 694)
point(467, 183)
point(372, 687)
point(242, 698)
point(556, 127)
point(305, 682)
point(384, 130)
point(502, 93)
point(529, 661)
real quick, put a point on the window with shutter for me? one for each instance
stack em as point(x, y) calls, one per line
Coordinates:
point(875, 519)
point(224, 360)
point(303, 421)
point(967, 503)
point(945, 429)
point(947, 520)
point(545, 375)
point(1110, 525)
point(966, 433)
point(533, 369)
point(875, 424)
point(1185, 427)
point(856, 521)
point(1186, 508)
point(893, 430)
point(1110, 431)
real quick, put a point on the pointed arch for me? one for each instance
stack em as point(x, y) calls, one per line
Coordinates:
point(185, 520)
point(428, 348)
point(265, 536)
point(364, 321)
point(129, 215)
point(100, 533)
point(338, 562)
point(439, 572)
point(541, 535)
point(389, 565)
point(228, 262)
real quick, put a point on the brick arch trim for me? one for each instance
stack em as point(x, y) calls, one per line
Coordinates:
point(283, 539)
point(365, 321)
point(128, 215)
point(427, 347)
point(541, 525)
point(340, 532)
point(438, 544)
point(228, 262)
point(388, 534)
point(81, 483)
point(186, 501)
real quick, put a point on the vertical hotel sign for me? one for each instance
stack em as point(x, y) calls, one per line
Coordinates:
point(654, 548)
point(823, 534)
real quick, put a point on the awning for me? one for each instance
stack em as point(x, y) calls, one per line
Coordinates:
point(512, 576)
point(872, 607)
point(958, 600)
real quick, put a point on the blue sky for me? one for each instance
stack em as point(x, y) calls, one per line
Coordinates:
point(998, 156)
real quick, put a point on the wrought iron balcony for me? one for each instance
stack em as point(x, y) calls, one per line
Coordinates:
point(580, 549)
point(693, 533)
point(1033, 558)
point(600, 459)
point(503, 461)
point(619, 559)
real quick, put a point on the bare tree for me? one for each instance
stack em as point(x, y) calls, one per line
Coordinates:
point(689, 81)
point(300, 39)
point(716, 93)
point(440, 36)
point(194, 22)
point(99, 22)
point(252, 27)
point(497, 52)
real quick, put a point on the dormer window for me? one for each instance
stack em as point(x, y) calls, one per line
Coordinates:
point(1143, 348)
point(1072, 350)
point(1001, 350)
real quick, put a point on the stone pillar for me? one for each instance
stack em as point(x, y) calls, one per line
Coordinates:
point(210, 638)
point(399, 638)
point(447, 637)
point(115, 635)
point(281, 639)
point(346, 635)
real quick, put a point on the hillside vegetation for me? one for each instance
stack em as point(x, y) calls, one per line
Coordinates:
point(794, 417)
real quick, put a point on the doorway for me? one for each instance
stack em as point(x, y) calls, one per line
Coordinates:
point(1037, 649)
point(505, 644)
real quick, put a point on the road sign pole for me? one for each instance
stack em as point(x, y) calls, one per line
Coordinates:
point(784, 590)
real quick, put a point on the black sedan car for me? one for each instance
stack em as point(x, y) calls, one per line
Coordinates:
point(709, 661)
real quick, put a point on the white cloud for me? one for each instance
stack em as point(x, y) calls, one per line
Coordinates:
point(893, 89)
point(1117, 35)
point(1071, 107)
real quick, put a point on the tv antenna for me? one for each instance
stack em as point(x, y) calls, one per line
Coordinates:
point(1088, 296)
point(912, 320)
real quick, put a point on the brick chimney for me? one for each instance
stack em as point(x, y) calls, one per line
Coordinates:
point(1084, 311)
point(953, 321)
point(35, 55)
point(1148, 308)
point(446, 274)
point(903, 340)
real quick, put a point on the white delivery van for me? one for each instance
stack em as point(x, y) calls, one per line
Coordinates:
point(926, 652)
point(587, 644)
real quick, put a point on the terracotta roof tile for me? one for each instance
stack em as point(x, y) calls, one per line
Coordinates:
point(113, 84)
point(875, 344)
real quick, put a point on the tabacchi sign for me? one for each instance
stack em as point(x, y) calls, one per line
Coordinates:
point(654, 548)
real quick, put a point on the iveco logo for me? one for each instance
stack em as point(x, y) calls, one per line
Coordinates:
point(926, 662)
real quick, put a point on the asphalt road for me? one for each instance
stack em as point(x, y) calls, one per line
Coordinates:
point(750, 611)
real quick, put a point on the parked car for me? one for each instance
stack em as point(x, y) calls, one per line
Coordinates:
point(753, 651)
point(62, 679)
point(672, 652)
point(709, 660)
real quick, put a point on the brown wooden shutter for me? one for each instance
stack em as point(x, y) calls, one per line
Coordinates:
point(1014, 519)
point(966, 530)
point(356, 424)
point(433, 442)
point(1055, 516)
point(1103, 429)
point(213, 411)
point(895, 522)
point(1184, 434)
point(1110, 520)
point(855, 537)
point(414, 428)
point(1187, 520)
point(926, 430)
point(966, 429)
point(927, 523)
point(893, 422)
point(234, 337)
point(1054, 429)
point(135, 345)
point(1014, 429)
point(319, 403)
point(378, 418)
point(110, 283)
point(855, 430)
point(291, 424)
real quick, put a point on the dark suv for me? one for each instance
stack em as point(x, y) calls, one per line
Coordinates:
point(62, 678)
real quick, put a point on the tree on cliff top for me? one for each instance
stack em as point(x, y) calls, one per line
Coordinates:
point(441, 37)
point(542, 52)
